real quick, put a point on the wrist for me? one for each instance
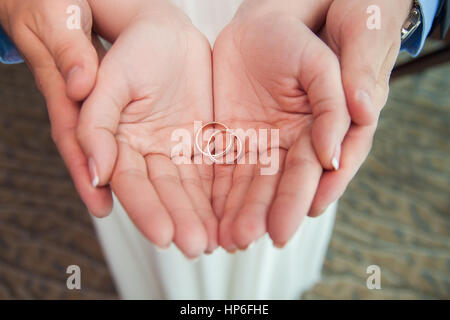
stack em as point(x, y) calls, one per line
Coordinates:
point(165, 13)
point(311, 12)
point(130, 12)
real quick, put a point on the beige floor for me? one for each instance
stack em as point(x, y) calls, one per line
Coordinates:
point(395, 214)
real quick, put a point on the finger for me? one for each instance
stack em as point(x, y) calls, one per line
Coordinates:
point(63, 114)
point(190, 234)
point(295, 192)
point(363, 86)
point(206, 173)
point(194, 187)
point(64, 27)
point(242, 178)
point(137, 195)
point(250, 223)
point(96, 141)
point(322, 82)
point(99, 119)
point(332, 185)
point(98, 200)
point(223, 180)
point(363, 69)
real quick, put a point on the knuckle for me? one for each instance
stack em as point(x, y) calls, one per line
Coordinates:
point(294, 163)
point(63, 50)
point(349, 31)
point(328, 60)
point(127, 173)
point(242, 179)
point(17, 26)
point(192, 182)
point(166, 178)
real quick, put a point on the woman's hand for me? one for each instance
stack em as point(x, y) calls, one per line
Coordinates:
point(272, 72)
point(154, 80)
point(367, 58)
point(64, 64)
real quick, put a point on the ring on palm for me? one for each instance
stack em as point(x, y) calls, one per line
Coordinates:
point(214, 157)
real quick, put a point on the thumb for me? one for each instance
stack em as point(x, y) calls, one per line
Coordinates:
point(97, 126)
point(367, 56)
point(360, 75)
point(321, 77)
point(66, 33)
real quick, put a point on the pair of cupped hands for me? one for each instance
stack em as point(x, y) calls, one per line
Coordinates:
point(310, 68)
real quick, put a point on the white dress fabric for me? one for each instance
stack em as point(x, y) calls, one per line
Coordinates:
point(141, 271)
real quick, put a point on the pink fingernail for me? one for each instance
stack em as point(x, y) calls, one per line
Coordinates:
point(93, 172)
point(365, 99)
point(336, 158)
point(279, 245)
point(71, 73)
point(318, 212)
point(193, 259)
point(161, 249)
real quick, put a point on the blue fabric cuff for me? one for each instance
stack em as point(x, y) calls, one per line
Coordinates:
point(414, 44)
point(8, 52)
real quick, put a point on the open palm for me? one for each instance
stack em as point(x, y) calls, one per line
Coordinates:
point(155, 79)
point(272, 72)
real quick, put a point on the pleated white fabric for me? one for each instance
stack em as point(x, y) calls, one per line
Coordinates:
point(140, 271)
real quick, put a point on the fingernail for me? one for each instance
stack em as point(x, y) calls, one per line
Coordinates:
point(210, 251)
point(279, 245)
point(161, 249)
point(93, 172)
point(318, 212)
point(232, 248)
point(71, 73)
point(194, 259)
point(336, 158)
point(365, 99)
point(248, 247)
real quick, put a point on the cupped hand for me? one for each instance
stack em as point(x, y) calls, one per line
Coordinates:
point(64, 64)
point(154, 80)
point(272, 72)
point(367, 55)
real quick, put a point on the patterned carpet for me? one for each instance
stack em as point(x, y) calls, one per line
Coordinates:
point(395, 214)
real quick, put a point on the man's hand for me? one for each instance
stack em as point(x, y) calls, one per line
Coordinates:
point(367, 58)
point(155, 79)
point(64, 63)
point(272, 72)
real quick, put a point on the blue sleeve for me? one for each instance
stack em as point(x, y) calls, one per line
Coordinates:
point(415, 43)
point(8, 52)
